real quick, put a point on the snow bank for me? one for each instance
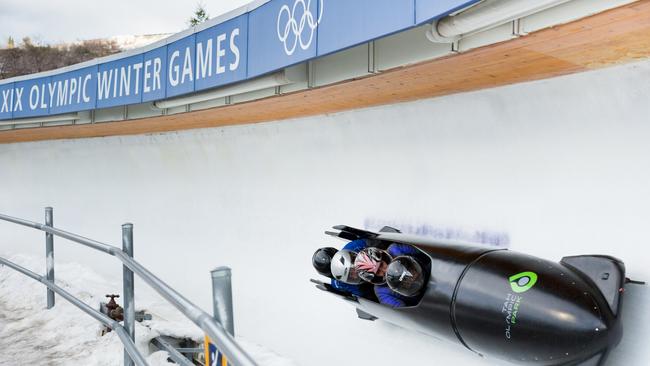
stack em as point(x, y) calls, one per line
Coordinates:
point(64, 335)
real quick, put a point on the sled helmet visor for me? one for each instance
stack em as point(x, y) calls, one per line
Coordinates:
point(405, 276)
point(371, 264)
point(342, 267)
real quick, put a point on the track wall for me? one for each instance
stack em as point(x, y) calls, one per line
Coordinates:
point(560, 166)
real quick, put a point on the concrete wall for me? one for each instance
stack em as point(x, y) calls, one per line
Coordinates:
point(561, 166)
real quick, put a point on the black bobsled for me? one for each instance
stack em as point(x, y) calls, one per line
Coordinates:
point(505, 304)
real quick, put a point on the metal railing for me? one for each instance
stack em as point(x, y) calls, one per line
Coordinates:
point(221, 338)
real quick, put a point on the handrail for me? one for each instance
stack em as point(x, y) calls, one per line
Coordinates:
point(129, 346)
point(224, 341)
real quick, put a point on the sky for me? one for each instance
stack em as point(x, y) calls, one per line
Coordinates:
point(55, 21)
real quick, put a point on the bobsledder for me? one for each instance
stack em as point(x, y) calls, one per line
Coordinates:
point(492, 301)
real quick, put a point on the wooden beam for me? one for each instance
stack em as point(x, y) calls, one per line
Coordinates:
point(613, 37)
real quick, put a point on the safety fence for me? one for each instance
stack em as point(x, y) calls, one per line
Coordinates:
point(223, 340)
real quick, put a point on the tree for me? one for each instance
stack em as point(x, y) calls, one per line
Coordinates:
point(199, 16)
point(27, 42)
point(30, 57)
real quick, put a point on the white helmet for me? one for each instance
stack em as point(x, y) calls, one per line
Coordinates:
point(343, 267)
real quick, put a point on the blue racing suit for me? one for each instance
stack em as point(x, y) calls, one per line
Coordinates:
point(384, 293)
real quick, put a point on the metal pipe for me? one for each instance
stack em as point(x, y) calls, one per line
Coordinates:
point(175, 355)
point(58, 118)
point(61, 233)
point(129, 346)
point(222, 339)
point(485, 15)
point(277, 79)
point(129, 290)
point(191, 350)
point(49, 255)
point(222, 298)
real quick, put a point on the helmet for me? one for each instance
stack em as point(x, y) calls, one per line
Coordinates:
point(371, 264)
point(343, 267)
point(405, 276)
point(321, 260)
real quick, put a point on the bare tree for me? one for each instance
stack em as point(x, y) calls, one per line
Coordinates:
point(29, 58)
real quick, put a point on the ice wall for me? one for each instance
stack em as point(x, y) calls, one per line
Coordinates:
point(560, 167)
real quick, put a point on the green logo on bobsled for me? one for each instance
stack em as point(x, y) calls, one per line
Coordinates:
point(523, 281)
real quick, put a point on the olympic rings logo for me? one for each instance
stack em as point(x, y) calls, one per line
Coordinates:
point(291, 35)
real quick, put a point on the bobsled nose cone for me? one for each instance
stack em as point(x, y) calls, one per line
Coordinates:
point(531, 311)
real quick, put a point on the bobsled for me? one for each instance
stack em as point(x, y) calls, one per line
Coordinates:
point(504, 304)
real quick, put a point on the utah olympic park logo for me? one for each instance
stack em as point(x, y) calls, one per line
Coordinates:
point(297, 25)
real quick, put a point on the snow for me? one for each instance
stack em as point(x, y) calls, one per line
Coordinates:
point(64, 335)
point(129, 42)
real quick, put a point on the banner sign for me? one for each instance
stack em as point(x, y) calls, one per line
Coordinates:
point(361, 20)
point(426, 10)
point(212, 355)
point(272, 36)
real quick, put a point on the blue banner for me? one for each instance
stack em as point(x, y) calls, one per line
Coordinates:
point(426, 10)
point(73, 91)
point(282, 33)
point(120, 82)
point(219, 53)
point(275, 35)
point(6, 100)
point(32, 97)
point(345, 23)
point(181, 56)
point(154, 75)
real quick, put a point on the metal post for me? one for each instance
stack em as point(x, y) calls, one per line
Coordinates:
point(49, 255)
point(222, 298)
point(127, 278)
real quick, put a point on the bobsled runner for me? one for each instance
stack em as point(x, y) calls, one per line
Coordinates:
point(505, 304)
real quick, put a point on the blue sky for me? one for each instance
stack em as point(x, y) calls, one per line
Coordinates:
point(54, 21)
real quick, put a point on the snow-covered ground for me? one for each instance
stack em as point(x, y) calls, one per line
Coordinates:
point(64, 335)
